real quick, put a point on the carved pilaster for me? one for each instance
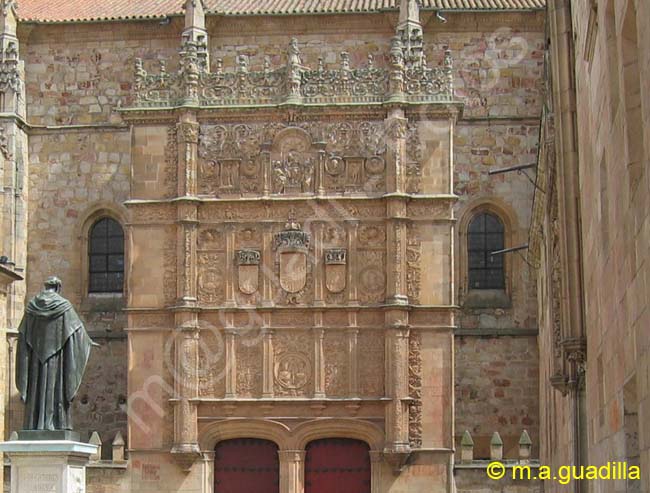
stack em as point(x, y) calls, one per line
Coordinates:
point(353, 362)
point(397, 374)
point(396, 259)
point(353, 229)
point(319, 364)
point(188, 143)
point(267, 266)
point(319, 269)
point(376, 458)
point(320, 169)
point(186, 383)
point(267, 382)
point(230, 266)
point(292, 467)
point(187, 261)
point(265, 161)
point(231, 364)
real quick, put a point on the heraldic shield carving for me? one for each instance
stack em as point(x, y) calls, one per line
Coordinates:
point(292, 245)
point(248, 262)
point(335, 269)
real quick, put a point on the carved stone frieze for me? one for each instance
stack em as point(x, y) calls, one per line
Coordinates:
point(414, 155)
point(229, 158)
point(212, 364)
point(413, 264)
point(355, 158)
point(293, 363)
point(429, 210)
point(249, 364)
point(415, 389)
point(211, 238)
point(371, 276)
point(371, 366)
point(335, 350)
point(152, 213)
point(372, 236)
point(305, 158)
point(170, 265)
point(211, 277)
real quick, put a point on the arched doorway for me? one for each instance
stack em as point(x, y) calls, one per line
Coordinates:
point(246, 465)
point(340, 465)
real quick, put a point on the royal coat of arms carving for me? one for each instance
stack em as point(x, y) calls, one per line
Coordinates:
point(292, 246)
point(248, 262)
point(335, 269)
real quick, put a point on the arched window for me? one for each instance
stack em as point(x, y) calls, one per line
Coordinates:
point(485, 235)
point(106, 257)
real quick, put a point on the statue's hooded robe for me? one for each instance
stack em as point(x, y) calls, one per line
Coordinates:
point(53, 350)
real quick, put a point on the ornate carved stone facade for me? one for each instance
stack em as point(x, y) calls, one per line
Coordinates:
point(289, 211)
point(293, 231)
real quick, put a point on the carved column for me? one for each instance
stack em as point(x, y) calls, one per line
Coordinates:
point(292, 471)
point(187, 233)
point(319, 364)
point(186, 384)
point(267, 375)
point(396, 267)
point(375, 471)
point(188, 144)
point(231, 364)
point(397, 352)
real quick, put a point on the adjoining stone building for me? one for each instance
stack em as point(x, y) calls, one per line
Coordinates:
point(277, 222)
point(589, 238)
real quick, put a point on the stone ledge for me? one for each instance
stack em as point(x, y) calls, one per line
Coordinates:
point(514, 332)
point(47, 447)
point(483, 464)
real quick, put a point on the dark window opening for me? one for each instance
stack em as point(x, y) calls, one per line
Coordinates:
point(485, 235)
point(106, 257)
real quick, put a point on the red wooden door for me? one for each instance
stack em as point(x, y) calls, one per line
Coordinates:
point(337, 465)
point(246, 465)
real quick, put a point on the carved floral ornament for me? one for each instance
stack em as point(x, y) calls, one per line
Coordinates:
point(407, 78)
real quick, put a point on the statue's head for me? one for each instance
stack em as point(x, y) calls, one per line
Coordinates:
point(53, 283)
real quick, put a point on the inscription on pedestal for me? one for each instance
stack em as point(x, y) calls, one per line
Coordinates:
point(45, 480)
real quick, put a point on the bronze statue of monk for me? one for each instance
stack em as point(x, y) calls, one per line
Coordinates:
point(53, 351)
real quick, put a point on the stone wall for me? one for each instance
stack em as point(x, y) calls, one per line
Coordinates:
point(607, 97)
point(496, 389)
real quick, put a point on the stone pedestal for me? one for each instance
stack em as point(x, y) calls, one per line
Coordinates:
point(48, 466)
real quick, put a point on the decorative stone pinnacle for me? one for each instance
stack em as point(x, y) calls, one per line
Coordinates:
point(525, 439)
point(467, 440)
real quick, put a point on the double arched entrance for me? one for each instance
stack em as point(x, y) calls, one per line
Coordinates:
point(252, 465)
